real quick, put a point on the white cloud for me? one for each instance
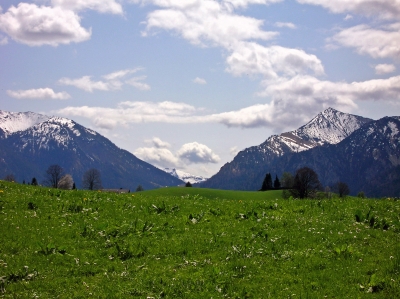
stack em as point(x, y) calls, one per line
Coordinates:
point(234, 151)
point(294, 101)
point(348, 17)
point(40, 93)
point(134, 112)
point(158, 143)
point(271, 62)
point(86, 83)
point(384, 69)
point(385, 9)
point(35, 26)
point(135, 82)
point(120, 74)
point(161, 157)
point(200, 81)
point(112, 81)
point(378, 43)
point(206, 22)
point(245, 3)
point(285, 24)
point(160, 154)
point(103, 6)
point(197, 153)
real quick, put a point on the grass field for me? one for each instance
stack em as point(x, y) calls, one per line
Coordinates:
point(195, 243)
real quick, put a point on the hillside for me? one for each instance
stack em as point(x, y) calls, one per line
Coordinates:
point(30, 150)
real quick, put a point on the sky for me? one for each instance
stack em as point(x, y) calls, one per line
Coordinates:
point(187, 84)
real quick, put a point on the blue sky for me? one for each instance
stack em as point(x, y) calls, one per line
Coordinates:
point(188, 84)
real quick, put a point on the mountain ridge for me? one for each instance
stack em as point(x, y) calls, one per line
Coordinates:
point(27, 153)
point(328, 127)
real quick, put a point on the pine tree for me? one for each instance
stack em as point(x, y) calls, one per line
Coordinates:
point(277, 183)
point(267, 183)
point(34, 182)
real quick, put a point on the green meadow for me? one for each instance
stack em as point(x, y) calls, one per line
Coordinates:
point(195, 243)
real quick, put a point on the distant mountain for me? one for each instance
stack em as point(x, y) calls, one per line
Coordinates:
point(368, 160)
point(184, 176)
point(328, 127)
point(31, 142)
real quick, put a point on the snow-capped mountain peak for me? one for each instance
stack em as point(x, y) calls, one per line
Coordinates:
point(328, 127)
point(184, 176)
point(11, 122)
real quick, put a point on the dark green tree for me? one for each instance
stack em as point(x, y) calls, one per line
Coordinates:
point(306, 183)
point(34, 182)
point(267, 183)
point(139, 188)
point(277, 183)
point(188, 184)
point(342, 189)
point(287, 180)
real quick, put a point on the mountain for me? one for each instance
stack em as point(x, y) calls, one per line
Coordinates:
point(328, 127)
point(32, 142)
point(368, 160)
point(184, 176)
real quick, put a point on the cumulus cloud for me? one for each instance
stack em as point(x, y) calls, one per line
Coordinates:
point(271, 62)
point(384, 69)
point(103, 6)
point(112, 81)
point(41, 25)
point(161, 157)
point(285, 24)
point(310, 91)
point(207, 22)
point(200, 81)
point(385, 9)
point(40, 93)
point(383, 42)
point(160, 154)
point(197, 153)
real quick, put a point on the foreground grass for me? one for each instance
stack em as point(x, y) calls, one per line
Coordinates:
point(195, 243)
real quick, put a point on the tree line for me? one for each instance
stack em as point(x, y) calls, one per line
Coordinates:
point(56, 177)
point(304, 184)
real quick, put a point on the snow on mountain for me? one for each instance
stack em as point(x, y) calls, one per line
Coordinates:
point(184, 176)
point(11, 122)
point(328, 127)
point(60, 130)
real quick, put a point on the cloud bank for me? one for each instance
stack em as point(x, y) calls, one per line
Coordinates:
point(160, 154)
point(40, 93)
